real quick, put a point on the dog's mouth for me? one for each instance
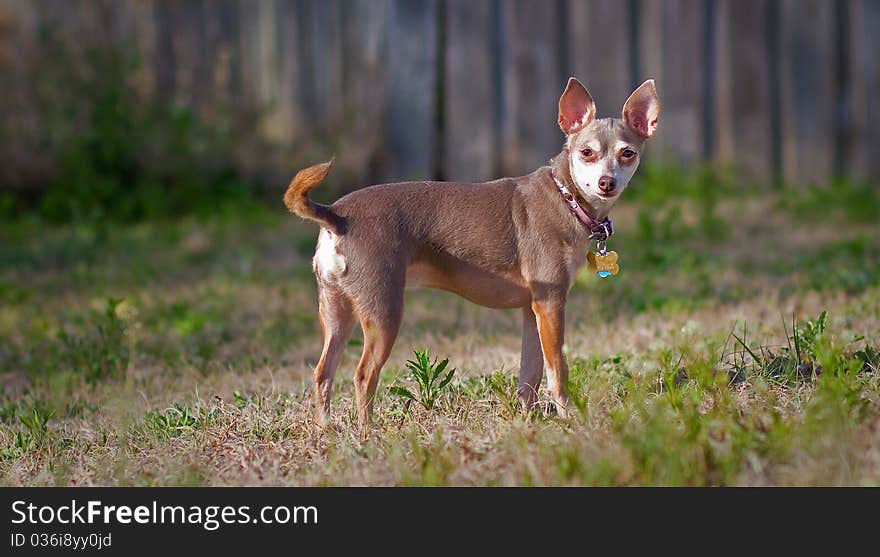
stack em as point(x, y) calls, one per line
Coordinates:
point(607, 195)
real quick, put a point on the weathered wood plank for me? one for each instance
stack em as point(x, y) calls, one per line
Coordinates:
point(722, 104)
point(682, 78)
point(268, 78)
point(807, 88)
point(22, 165)
point(187, 37)
point(292, 119)
point(327, 54)
point(220, 37)
point(672, 54)
point(163, 61)
point(361, 149)
point(599, 51)
point(138, 27)
point(750, 85)
point(359, 77)
point(532, 82)
point(650, 44)
point(863, 157)
point(412, 89)
point(469, 91)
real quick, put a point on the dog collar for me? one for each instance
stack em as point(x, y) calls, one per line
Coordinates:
point(599, 231)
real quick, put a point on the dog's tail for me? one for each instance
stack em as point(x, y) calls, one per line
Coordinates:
point(297, 198)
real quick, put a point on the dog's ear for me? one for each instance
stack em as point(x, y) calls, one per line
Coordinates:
point(642, 109)
point(576, 107)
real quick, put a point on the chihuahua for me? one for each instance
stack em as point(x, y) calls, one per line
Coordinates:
point(509, 243)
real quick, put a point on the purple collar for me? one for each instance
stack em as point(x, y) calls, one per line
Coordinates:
point(600, 231)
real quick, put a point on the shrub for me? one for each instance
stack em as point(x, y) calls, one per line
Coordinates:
point(116, 154)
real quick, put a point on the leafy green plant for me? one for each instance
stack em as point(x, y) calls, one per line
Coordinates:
point(8, 411)
point(797, 360)
point(37, 422)
point(19, 446)
point(429, 379)
point(693, 432)
point(503, 386)
point(103, 351)
point(176, 419)
point(870, 358)
point(241, 401)
point(807, 335)
point(857, 201)
point(187, 319)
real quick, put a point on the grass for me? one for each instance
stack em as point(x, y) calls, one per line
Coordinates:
point(738, 346)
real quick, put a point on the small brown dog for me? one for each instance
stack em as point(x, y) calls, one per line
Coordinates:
point(508, 243)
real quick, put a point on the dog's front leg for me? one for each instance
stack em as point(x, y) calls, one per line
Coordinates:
point(531, 364)
point(550, 317)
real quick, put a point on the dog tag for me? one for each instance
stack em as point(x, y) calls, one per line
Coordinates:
point(603, 262)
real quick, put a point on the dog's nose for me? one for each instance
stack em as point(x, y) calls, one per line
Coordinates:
point(606, 184)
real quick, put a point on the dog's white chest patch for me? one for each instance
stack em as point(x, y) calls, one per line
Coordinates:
point(328, 263)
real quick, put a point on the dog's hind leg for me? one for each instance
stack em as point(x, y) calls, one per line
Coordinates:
point(337, 320)
point(531, 365)
point(380, 326)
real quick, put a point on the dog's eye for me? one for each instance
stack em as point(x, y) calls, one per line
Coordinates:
point(587, 152)
point(628, 153)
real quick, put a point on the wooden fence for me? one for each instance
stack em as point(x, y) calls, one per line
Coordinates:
point(468, 89)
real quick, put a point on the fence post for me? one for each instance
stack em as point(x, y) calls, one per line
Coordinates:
point(864, 99)
point(745, 93)
point(599, 51)
point(530, 135)
point(412, 89)
point(807, 89)
point(469, 91)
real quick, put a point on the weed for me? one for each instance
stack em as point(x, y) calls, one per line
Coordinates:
point(870, 358)
point(106, 350)
point(20, 445)
point(177, 419)
point(430, 463)
point(795, 361)
point(806, 337)
point(37, 422)
point(8, 411)
point(856, 201)
point(186, 319)
point(703, 185)
point(79, 408)
point(503, 386)
point(429, 380)
point(691, 433)
point(240, 400)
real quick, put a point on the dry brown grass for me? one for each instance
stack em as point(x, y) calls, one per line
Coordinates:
point(215, 310)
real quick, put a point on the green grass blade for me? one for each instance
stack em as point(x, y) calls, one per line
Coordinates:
point(446, 379)
point(403, 392)
point(747, 349)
